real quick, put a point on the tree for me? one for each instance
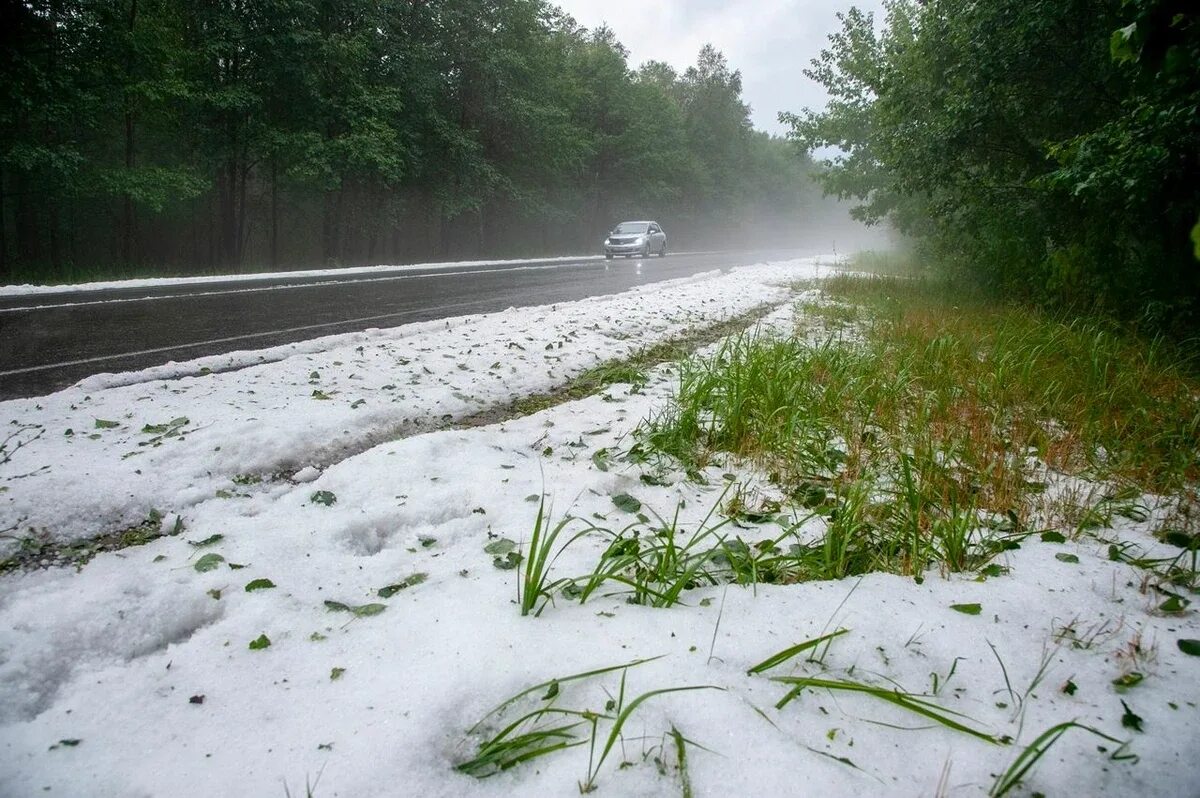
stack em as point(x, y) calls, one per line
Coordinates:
point(1005, 138)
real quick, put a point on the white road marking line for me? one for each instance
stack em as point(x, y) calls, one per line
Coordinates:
point(231, 338)
point(322, 283)
point(318, 284)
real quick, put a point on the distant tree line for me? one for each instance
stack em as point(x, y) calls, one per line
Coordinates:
point(1050, 148)
point(202, 135)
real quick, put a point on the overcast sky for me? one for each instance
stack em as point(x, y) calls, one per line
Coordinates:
point(770, 41)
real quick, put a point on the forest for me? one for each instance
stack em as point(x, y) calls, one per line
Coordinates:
point(175, 137)
point(1048, 149)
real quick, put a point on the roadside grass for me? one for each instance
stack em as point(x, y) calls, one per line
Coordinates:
point(547, 728)
point(926, 429)
point(921, 437)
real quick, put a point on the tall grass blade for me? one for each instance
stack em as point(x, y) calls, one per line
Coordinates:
point(1011, 777)
point(901, 699)
point(545, 686)
point(623, 716)
point(788, 653)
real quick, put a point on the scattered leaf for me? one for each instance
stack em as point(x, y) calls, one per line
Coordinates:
point(359, 611)
point(208, 562)
point(259, 584)
point(208, 541)
point(626, 502)
point(1050, 536)
point(196, 699)
point(508, 561)
point(324, 497)
point(967, 609)
point(1129, 720)
point(1070, 687)
point(102, 423)
point(500, 547)
point(260, 642)
point(1127, 680)
point(336, 673)
point(1174, 604)
point(1190, 647)
point(1065, 557)
point(407, 582)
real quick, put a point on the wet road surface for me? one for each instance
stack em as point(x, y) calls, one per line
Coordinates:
point(50, 341)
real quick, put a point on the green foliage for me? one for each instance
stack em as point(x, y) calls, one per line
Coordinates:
point(785, 655)
point(218, 136)
point(892, 695)
point(547, 728)
point(1025, 761)
point(208, 562)
point(1045, 148)
point(325, 498)
point(358, 611)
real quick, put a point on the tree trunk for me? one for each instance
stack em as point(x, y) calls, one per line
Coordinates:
point(274, 214)
point(4, 269)
point(127, 220)
point(55, 254)
point(25, 222)
point(331, 227)
point(242, 232)
point(228, 232)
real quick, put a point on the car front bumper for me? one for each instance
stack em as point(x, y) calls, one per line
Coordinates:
point(624, 249)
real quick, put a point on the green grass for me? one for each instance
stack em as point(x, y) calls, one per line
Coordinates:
point(910, 434)
point(1025, 761)
point(533, 583)
point(546, 728)
point(913, 703)
point(775, 660)
point(656, 567)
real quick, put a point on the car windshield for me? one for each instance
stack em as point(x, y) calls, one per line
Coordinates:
point(631, 227)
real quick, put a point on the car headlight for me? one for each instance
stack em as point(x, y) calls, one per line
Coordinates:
point(640, 240)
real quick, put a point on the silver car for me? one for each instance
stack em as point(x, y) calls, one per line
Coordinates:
point(636, 238)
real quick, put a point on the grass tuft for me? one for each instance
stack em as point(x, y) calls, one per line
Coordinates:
point(1020, 766)
point(912, 703)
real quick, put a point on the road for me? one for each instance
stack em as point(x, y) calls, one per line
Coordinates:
point(50, 341)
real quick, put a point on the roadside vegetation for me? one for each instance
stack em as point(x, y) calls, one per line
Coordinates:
point(924, 420)
point(148, 139)
point(904, 426)
point(929, 428)
point(1045, 149)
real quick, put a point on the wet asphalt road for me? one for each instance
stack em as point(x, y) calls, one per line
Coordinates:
point(50, 341)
